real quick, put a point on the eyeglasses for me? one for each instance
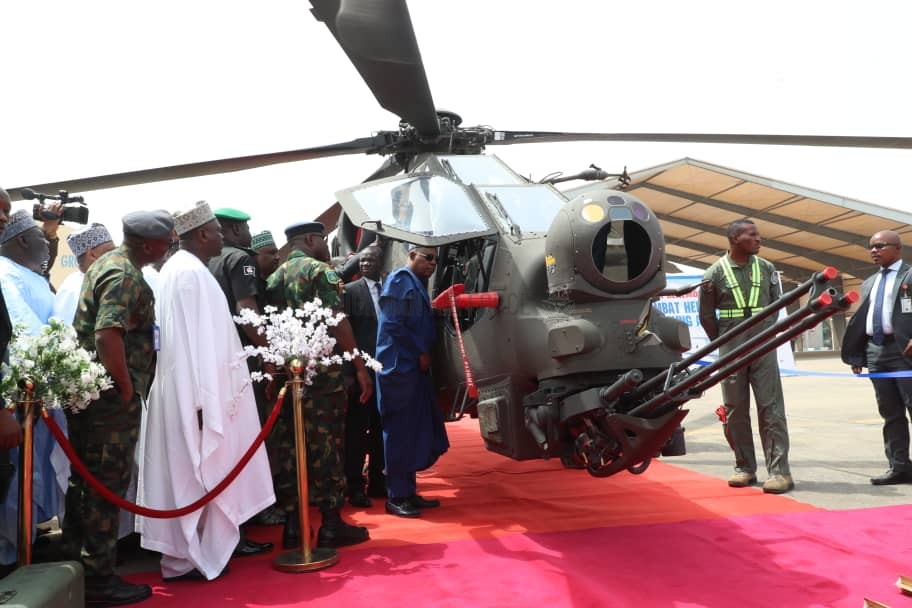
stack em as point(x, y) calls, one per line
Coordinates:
point(430, 257)
point(882, 245)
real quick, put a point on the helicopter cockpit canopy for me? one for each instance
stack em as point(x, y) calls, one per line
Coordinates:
point(450, 198)
point(422, 208)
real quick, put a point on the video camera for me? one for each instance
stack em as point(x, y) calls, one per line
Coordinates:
point(74, 207)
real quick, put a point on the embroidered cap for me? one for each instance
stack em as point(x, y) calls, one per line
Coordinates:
point(88, 238)
point(186, 221)
point(19, 222)
point(261, 239)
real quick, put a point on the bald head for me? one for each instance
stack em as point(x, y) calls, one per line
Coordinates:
point(885, 248)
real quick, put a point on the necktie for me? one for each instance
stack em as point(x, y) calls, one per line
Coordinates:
point(877, 336)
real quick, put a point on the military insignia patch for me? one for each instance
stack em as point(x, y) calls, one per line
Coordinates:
point(248, 271)
point(332, 277)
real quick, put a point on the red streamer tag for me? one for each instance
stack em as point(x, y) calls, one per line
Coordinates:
point(720, 412)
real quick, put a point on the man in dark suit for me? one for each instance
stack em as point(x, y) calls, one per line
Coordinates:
point(363, 434)
point(879, 337)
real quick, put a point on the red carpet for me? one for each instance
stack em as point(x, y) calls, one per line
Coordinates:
point(533, 534)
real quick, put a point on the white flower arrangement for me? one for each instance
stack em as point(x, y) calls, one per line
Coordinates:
point(301, 333)
point(65, 375)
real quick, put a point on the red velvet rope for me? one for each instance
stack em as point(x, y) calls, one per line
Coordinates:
point(471, 387)
point(162, 513)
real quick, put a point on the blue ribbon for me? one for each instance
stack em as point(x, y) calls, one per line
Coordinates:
point(798, 372)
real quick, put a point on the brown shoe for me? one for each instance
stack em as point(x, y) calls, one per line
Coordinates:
point(742, 480)
point(778, 484)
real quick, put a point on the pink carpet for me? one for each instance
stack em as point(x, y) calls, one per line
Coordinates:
point(531, 534)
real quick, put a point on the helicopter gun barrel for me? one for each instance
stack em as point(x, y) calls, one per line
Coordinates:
point(841, 304)
point(817, 310)
point(817, 281)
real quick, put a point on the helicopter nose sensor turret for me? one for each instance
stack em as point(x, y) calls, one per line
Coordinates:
point(605, 246)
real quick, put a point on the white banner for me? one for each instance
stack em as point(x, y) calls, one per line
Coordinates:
point(686, 308)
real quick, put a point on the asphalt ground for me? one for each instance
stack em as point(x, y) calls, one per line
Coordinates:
point(835, 432)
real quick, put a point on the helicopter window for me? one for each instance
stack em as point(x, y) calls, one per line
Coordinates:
point(468, 262)
point(531, 207)
point(621, 250)
point(481, 170)
point(428, 205)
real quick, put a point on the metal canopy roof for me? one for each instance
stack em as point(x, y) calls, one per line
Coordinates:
point(803, 230)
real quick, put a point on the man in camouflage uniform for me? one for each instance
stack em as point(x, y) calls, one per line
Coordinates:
point(741, 283)
point(116, 319)
point(306, 275)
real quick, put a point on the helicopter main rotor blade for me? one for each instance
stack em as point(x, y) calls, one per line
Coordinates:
point(212, 167)
point(378, 37)
point(833, 141)
point(390, 167)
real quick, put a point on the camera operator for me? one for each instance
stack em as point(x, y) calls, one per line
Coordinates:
point(51, 216)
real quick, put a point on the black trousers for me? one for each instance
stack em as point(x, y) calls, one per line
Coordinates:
point(363, 438)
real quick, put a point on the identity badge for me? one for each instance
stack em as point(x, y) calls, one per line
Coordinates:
point(905, 304)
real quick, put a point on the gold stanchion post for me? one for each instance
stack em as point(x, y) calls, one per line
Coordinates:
point(26, 454)
point(306, 559)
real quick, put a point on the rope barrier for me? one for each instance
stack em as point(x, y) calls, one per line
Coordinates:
point(798, 372)
point(162, 513)
point(471, 387)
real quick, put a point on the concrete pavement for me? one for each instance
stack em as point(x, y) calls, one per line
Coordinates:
point(836, 441)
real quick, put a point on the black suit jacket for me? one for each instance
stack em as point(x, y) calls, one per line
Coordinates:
point(359, 308)
point(855, 341)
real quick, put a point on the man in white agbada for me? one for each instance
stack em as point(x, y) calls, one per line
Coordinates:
point(87, 245)
point(202, 415)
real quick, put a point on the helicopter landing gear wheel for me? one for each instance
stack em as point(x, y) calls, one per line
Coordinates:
point(639, 469)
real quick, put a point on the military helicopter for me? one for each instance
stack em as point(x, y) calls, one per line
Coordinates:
point(569, 356)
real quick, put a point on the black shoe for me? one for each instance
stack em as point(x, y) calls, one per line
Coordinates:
point(891, 477)
point(103, 591)
point(402, 507)
point(193, 575)
point(341, 534)
point(423, 503)
point(359, 499)
point(247, 547)
point(291, 532)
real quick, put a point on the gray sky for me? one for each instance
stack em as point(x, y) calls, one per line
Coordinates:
point(97, 87)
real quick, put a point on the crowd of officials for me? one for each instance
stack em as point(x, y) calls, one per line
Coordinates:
point(159, 310)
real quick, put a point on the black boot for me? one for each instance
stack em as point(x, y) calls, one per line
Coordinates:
point(291, 532)
point(336, 533)
point(102, 591)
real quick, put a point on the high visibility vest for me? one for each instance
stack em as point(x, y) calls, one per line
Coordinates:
point(743, 308)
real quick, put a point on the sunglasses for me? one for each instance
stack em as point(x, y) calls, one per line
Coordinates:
point(430, 257)
point(882, 245)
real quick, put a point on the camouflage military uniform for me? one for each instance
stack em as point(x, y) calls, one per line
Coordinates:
point(718, 299)
point(115, 295)
point(298, 281)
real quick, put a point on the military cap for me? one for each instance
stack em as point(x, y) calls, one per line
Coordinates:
point(261, 239)
point(226, 213)
point(19, 222)
point(185, 221)
point(148, 224)
point(89, 237)
point(303, 228)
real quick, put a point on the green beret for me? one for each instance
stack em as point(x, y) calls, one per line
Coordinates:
point(226, 213)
